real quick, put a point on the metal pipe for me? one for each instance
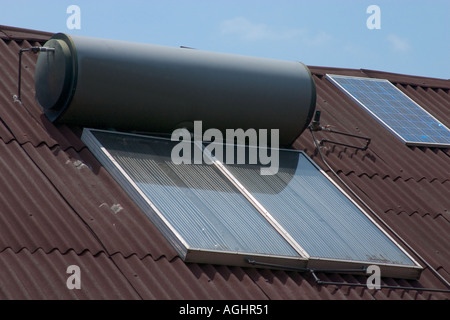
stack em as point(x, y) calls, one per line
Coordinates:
point(344, 144)
point(300, 269)
point(315, 126)
point(19, 84)
point(321, 282)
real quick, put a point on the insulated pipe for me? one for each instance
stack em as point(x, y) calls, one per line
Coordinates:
point(141, 87)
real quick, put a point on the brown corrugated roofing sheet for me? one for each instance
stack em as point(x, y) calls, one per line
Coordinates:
point(34, 213)
point(59, 206)
point(17, 34)
point(43, 275)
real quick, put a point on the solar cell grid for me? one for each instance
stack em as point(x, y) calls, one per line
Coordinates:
point(395, 110)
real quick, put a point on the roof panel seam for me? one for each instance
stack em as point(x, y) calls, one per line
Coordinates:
point(54, 249)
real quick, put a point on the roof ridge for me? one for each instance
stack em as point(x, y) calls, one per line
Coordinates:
point(19, 34)
point(409, 79)
point(391, 76)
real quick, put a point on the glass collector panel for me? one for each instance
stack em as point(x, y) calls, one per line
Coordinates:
point(317, 214)
point(197, 201)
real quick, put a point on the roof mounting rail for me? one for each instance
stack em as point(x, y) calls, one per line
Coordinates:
point(362, 270)
point(381, 286)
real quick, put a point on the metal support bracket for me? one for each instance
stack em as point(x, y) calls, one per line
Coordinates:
point(18, 98)
point(315, 126)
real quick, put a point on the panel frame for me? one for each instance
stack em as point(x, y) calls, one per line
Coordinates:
point(198, 255)
point(380, 120)
point(387, 269)
point(185, 251)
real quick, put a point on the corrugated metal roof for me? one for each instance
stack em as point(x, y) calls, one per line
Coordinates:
point(33, 213)
point(59, 207)
point(43, 275)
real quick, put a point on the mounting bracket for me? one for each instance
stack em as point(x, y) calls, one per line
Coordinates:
point(315, 126)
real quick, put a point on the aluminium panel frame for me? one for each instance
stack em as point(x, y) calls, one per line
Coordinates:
point(199, 255)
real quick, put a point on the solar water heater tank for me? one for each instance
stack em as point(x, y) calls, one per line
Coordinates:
point(127, 86)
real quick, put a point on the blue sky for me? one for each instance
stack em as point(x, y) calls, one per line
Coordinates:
point(413, 39)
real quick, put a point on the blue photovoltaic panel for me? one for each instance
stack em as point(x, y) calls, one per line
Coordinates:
point(405, 118)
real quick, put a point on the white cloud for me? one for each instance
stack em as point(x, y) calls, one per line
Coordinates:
point(247, 30)
point(398, 44)
point(319, 39)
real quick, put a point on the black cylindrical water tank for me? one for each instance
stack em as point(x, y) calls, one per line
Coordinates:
point(140, 87)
